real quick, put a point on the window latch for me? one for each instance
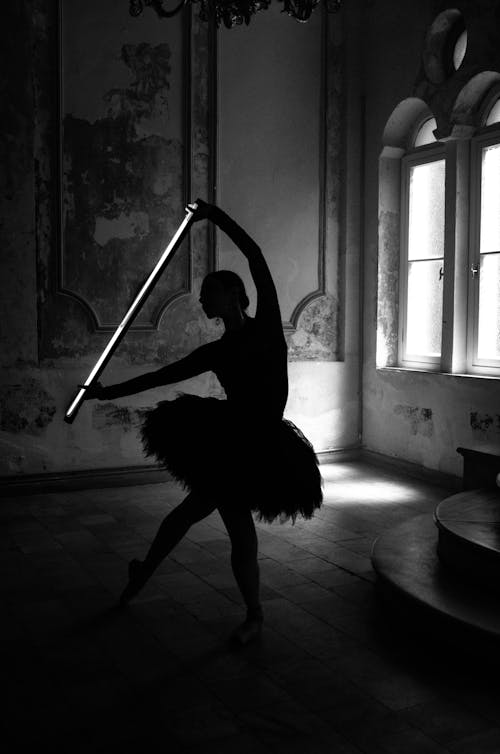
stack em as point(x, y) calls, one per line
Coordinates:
point(474, 270)
point(441, 273)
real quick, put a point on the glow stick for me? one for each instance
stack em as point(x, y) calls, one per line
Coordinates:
point(135, 307)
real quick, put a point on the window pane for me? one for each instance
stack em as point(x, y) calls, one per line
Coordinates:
point(426, 211)
point(460, 50)
point(490, 199)
point(488, 346)
point(494, 114)
point(425, 308)
point(425, 134)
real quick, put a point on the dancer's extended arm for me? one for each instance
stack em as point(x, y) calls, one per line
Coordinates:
point(197, 362)
point(267, 299)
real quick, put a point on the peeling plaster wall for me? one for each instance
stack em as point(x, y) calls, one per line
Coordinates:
point(414, 416)
point(123, 148)
point(18, 296)
point(75, 250)
point(123, 182)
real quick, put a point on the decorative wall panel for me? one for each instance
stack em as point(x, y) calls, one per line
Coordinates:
point(128, 140)
point(278, 151)
point(123, 142)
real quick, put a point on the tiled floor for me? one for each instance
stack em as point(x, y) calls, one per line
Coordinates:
point(331, 675)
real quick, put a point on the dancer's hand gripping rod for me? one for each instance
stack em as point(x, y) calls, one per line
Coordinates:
point(122, 328)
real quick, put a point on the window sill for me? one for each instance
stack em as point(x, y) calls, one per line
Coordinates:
point(436, 373)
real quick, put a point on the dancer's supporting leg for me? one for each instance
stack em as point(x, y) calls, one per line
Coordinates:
point(241, 530)
point(172, 529)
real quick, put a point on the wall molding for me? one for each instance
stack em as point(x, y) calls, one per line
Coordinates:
point(339, 455)
point(67, 481)
point(61, 289)
point(291, 324)
point(414, 470)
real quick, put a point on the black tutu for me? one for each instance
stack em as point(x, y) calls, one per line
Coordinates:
point(270, 468)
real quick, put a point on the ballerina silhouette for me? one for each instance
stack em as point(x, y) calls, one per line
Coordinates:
point(236, 455)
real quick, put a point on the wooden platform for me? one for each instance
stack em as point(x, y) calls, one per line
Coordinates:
point(469, 536)
point(444, 571)
point(481, 468)
point(421, 588)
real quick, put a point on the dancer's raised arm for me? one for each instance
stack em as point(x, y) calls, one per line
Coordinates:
point(267, 299)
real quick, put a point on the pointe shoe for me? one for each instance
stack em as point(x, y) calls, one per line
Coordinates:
point(136, 580)
point(248, 631)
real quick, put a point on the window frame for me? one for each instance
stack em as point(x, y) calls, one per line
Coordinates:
point(427, 153)
point(487, 136)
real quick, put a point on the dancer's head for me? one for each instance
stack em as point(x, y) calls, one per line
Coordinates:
point(223, 293)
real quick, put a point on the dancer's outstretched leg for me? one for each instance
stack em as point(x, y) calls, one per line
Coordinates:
point(244, 545)
point(172, 529)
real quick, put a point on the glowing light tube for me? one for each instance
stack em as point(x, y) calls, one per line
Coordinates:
point(122, 328)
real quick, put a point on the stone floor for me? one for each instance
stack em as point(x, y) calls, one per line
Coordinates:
point(331, 674)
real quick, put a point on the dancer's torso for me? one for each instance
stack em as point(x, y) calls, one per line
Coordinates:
point(251, 365)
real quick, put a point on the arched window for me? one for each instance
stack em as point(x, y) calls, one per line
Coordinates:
point(439, 238)
point(438, 306)
point(422, 249)
point(484, 289)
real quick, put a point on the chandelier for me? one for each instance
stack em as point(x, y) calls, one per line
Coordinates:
point(234, 12)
